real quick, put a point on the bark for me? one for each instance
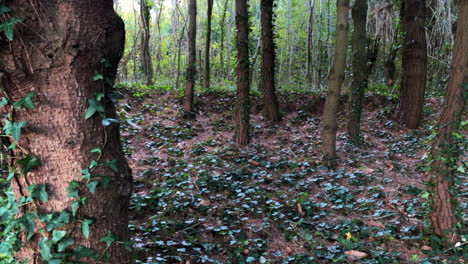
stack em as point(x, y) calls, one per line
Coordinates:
point(243, 88)
point(268, 62)
point(360, 69)
point(146, 63)
point(58, 60)
point(192, 52)
point(335, 81)
point(445, 150)
point(206, 74)
point(414, 64)
point(310, 40)
point(159, 50)
point(222, 25)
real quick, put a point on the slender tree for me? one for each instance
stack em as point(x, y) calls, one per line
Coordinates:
point(206, 74)
point(55, 53)
point(310, 44)
point(360, 68)
point(445, 148)
point(268, 61)
point(335, 81)
point(192, 63)
point(147, 66)
point(414, 63)
point(243, 82)
point(222, 32)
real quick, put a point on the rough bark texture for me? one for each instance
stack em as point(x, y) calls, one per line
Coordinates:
point(445, 153)
point(56, 53)
point(192, 53)
point(335, 81)
point(360, 69)
point(414, 64)
point(206, 70)
point(243, 88)
point(146, 64)
point(268, 62)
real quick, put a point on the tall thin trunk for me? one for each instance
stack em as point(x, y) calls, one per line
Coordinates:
point(58, 62)
point(414, 64)
point(179, 54)
point(268, 62)
point(160, 40)
point(146, 63)
point(206, 74)
point(360, 69)
point(228, 43)
point(243, 88)
point(192, 53)
point(446, 147)
point(222, 25)
point(310, 44)
point(335, 81)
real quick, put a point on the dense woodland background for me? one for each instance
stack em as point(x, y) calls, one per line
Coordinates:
point(270, 131)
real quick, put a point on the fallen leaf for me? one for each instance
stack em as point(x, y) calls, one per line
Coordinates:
point(355, 255)
point(426, 248)
point(253, 162)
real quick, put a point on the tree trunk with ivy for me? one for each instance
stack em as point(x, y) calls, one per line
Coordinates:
point(192, 54)
point(147, 65)
point(360, 69)
point(206, 74)
point(56, 53)
point(268, 62)
point(243, 64)
point(414, 63)
point(310, 43)
point(446, 145)
point(335, 81)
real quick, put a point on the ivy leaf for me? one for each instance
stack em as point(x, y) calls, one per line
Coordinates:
point(85, 227)
point(93, 164)
point(57, 235)
point(26, 101)
point(105, 181)
point(76, 204)
point(73, 189)
point(109, 238)
point(64, 244)
point(108, 121)
point(14, 129)
point(84, 252)
point(45, 247)
point(38, 191)
point(96, 150)
point(98, 76)
point(112, 164)
point(27, 220)
point(28, 164)
point(92, 186)
point(57, 221)
point(3, 102)
point(94, 107)
point(4, 9)
point(86, 174)
point(8, 27)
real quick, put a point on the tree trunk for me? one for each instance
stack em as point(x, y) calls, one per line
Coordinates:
point(160, 39)
point(58, 61)
point(243, 88)
point(310, 40)
point(414, 64)
point(268, 62)
point(360, 69)
point(445, 148)
point(206, 74)
point(146, 63)
point(222, 29)
point(192, 52)
point(335, 81)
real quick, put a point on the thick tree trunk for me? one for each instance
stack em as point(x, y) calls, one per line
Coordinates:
point(56, 53)
point(414, 64)
point(147, 66)
point(192, 53)
point(268, 62)
point(206, 74)
point(445, 149)
point(335, 81)
point(360, 69)
point(243, 64)
point(310, 40)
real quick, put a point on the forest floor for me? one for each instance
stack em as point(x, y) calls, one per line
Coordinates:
point(199, 198)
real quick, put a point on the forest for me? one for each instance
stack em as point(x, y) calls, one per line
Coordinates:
point(233, 131)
